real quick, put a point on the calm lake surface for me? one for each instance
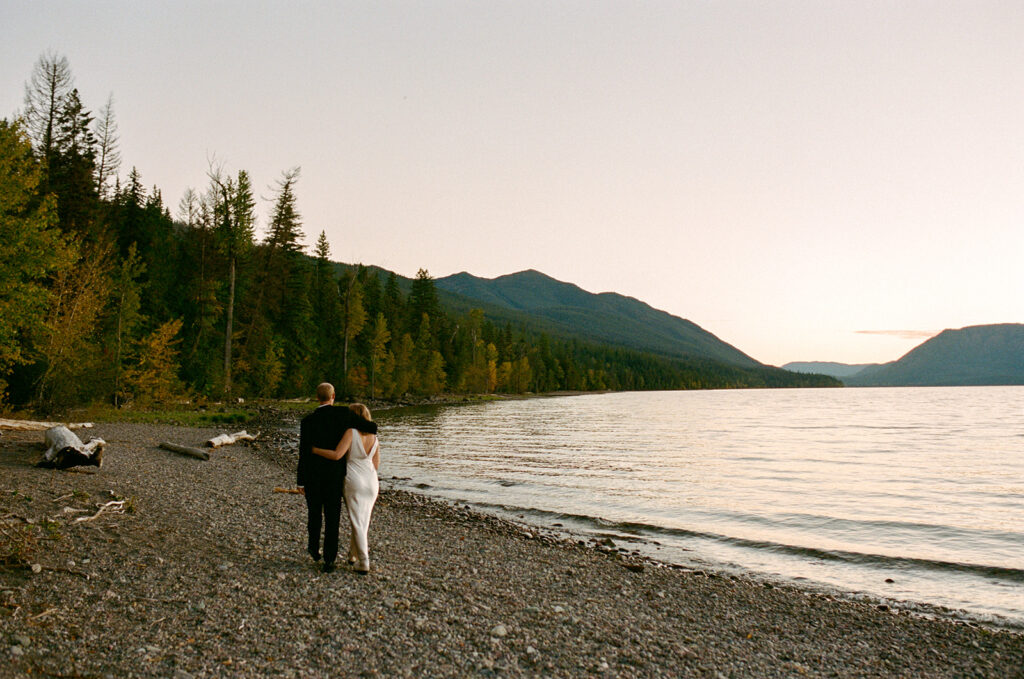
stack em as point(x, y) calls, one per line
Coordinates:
point(837, 488)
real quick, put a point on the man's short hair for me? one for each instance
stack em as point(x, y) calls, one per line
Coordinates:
point(324, 392)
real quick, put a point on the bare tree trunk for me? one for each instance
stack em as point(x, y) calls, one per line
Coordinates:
point(346, 318)
point(227, 332)
point(117, 363)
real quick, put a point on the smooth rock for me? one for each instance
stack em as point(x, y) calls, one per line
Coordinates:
point(37, 568)
point(499, 630)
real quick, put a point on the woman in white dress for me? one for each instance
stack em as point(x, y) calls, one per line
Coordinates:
point(362, 452)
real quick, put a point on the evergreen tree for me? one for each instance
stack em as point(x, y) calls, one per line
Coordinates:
point(284, 292)
point(372, 292)
point(393, 305)
point(285, 232)
point(326, 309)
point(71, 163)
point(353, 316)
point(422, 299)
point(234, 212)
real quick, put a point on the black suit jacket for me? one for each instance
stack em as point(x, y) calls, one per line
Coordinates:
point(324, 428)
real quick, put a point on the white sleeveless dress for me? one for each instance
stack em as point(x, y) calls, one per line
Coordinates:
point(361, 488)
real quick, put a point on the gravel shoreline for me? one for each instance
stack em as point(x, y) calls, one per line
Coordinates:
point(205, 574)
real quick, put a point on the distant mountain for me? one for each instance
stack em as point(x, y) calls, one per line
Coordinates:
point(839, 370)
point(976, 355)
point(567, 310)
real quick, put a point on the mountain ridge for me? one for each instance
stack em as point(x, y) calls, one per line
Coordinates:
point(976, 355)
point(830, 368)
point(608, 317)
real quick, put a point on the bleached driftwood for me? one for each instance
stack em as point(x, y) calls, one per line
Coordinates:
point(30, 425)
point(228, 439)
point(65, 449)
point(197, 453)
point(112, 506)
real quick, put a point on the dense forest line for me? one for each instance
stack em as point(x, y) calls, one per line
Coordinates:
point(105, 295)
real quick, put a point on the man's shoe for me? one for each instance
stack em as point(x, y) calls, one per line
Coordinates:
point(315, 554)
point(328, 567)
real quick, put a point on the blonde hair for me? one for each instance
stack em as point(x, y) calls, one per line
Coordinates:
point(361, 410)
point(324, 392)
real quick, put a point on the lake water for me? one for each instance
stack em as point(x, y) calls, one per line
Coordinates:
point(910, 495)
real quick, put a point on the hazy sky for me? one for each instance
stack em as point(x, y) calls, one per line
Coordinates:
point(807, 180)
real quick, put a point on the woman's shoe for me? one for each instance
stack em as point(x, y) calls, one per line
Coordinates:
point(363, 566)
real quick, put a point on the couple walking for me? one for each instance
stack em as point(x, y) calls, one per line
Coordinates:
point(338, 457)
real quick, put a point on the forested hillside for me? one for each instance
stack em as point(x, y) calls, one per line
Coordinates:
point(972, 356)
point(107, 293)
point(605, 317)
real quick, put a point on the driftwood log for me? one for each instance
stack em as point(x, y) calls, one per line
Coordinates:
point(30, 425)
point(228, 439)
point(65, 449)
point(197, 453)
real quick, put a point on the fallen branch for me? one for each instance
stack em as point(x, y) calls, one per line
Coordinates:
point(294, 491)
point(113, 505)
point(228, 439)
point(31, 425)
point(186, 450)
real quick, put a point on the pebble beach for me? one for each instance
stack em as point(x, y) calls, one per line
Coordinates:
point(160, 565)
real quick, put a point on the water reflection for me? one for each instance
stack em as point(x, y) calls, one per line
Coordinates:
point(925, 475)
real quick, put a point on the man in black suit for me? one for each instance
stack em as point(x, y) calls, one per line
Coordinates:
point(323, 479)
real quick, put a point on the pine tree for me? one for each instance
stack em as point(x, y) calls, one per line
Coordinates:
point(284, 288)
point(234, 211)
point(393, 305)
point(353, 316)
point(71, 164)
point(326, 309)
point(422, 299)
point(285, 232)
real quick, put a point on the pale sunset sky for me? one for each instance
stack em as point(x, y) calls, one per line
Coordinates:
point(807, 180)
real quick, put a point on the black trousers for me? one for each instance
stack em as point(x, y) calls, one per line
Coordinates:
point(323, 502)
